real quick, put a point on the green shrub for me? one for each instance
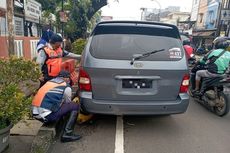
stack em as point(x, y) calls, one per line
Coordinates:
point(15, 73)
point(78, 46)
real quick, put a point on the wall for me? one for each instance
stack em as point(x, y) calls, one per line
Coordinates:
point(202, 13)
point(3, 4)
point(212, 15)
point(3, 50)
point(28, 46)
point(172, 18)
point(195, 8)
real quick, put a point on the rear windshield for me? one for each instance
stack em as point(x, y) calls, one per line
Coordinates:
point(122, 43)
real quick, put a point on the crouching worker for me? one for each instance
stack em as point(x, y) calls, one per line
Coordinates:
point(53, 101)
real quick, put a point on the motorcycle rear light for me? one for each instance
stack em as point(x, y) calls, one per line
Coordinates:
point(184, 84)
point(84, 81)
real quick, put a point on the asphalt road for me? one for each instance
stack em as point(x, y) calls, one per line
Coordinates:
point(196, 131)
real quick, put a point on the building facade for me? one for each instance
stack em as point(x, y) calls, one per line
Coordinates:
point(202, 13)
point(175, 17)
point(212, 19)
point(224, 24)
point(154, 14)
point(195, 8)
point(24, 44)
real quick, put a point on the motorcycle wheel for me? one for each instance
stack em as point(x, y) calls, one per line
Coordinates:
point(222, 108)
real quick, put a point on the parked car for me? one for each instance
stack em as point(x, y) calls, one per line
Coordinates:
point(134, 68)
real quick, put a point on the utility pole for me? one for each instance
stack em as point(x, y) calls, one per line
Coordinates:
point(10, 17)
point(219, 22)
point(62, 24)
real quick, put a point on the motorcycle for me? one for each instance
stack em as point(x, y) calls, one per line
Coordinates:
point(191, 60)
point(214, 94)
point(189, 54)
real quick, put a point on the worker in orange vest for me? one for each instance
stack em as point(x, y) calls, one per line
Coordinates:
point(50, 58)
point(53, 101)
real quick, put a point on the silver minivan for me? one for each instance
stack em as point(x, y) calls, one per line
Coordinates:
point(134, 68)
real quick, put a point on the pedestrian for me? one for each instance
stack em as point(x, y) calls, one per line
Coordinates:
point(43, 42)
point(50, 58)
point(53, 101)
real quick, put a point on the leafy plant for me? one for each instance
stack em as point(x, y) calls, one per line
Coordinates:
point(78, 46)
point(80, 14)
point(15, 73)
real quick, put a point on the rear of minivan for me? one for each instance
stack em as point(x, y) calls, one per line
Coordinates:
point(134, 68)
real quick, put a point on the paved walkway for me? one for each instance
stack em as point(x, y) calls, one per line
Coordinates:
point(22, 135)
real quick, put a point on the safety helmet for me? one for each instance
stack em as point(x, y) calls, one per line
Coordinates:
point(55, 38)
point(221, 43)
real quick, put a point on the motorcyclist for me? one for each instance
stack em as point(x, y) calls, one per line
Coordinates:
point(216, 62)
point(188, 49)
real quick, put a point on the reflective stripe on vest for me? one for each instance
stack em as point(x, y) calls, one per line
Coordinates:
point(49, 87)
point(54, 61)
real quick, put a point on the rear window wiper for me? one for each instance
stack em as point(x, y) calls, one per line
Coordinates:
point(140, 56)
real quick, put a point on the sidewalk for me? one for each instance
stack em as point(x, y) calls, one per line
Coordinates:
point(22, 135)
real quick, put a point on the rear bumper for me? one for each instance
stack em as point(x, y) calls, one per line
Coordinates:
point(135, 108)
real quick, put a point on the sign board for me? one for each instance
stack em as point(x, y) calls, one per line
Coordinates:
point(63, 16)
point(106, 18)
point(222, 33)
point(33, 11)
point(18, 26)
point(225, 15)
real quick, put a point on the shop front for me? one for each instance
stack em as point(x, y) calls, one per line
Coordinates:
point(203, 38)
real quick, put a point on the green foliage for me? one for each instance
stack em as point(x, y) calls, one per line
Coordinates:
point(13, 103)
point(78, 46)
point(80, 15)
point(93, 21)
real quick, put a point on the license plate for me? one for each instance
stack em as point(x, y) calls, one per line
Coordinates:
point(137, 83)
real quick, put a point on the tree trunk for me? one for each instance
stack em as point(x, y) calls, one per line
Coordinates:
point(10, 17)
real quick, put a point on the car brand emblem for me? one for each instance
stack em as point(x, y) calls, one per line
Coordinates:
point(138, 65)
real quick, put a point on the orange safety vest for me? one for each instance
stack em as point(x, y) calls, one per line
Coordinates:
point(54, 61)
point(50, 95)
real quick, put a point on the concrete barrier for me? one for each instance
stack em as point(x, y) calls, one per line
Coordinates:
point(46, 135)
point(43, 140)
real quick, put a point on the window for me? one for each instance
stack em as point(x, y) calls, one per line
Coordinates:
point(201, 17)
point(3, 26)
point(121, 43)
point(18, 25)
point(211, 17)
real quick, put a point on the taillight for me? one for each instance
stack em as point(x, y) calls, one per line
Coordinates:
point(84, 81)
point(185, 84)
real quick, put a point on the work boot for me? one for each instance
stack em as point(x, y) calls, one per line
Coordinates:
point(68, 135)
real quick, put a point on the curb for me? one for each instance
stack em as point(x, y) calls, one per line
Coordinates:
point(44, 139)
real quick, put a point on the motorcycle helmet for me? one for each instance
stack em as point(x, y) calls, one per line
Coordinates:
point(186, 42)
point(221, 43)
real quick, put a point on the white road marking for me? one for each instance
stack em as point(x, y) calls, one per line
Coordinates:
point(119, 140)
